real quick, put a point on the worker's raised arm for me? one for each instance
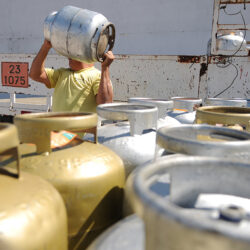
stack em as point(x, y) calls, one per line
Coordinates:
point(105, 92)
point(37, 70)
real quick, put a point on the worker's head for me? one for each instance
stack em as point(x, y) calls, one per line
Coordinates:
point(77, 65)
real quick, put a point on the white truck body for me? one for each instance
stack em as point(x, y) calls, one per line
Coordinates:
point(161, 50)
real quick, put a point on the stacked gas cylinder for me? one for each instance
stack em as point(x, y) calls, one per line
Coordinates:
point(184, 169)
point(179, 177)
point(193, 191)
point(83, 180)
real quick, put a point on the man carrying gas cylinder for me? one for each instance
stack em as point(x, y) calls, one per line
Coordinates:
point(79, 88)
point(82, 36)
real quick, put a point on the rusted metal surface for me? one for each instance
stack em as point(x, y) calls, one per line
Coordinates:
point(158, 76)
point(203, 69)
point(188, 59)
point(165, 77)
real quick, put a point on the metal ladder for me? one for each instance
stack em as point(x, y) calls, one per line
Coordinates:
point(226, 27)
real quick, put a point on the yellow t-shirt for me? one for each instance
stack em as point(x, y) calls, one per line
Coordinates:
point(74, 90)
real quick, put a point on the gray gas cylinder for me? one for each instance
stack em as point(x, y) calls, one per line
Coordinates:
point(235, 102)
point(184, 109)
point(134, 137)
point(205, 140)
point(79, 34)
point(188, 104)
point(126, 234)
point(231, 41)
point(163, 106)
point(193, 203)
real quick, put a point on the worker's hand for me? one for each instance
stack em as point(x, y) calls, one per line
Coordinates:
point(47, 44)
point(108, 59)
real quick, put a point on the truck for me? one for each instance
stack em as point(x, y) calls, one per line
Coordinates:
point(162, 49)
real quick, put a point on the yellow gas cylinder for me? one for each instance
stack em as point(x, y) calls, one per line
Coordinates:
point(224, 115)
point(89, 176)
point(32, 212)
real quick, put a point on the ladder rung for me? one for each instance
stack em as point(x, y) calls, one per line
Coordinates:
point(233, 27)
point(230, 52)
point(234, 1)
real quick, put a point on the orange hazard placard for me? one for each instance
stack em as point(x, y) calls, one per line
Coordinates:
point(15, 74)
